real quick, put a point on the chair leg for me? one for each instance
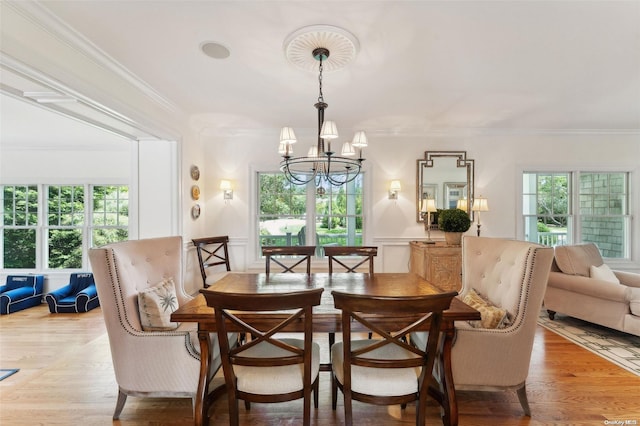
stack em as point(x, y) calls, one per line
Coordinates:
point(316, 386)
point(234, 413)
point(522, 396)
point(334, 392)
point(122, 398)
point(348, 411)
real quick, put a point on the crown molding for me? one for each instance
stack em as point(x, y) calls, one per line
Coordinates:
point(40, 15)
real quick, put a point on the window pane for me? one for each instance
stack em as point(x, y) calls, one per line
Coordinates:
point(19, 248)
point(65, 249)
point(65, 205)
point(546, 206)
point(104, 236)
point(20, 205)
point(110, 215)
point(604, 209)
point(608, 233)
point(282, 215)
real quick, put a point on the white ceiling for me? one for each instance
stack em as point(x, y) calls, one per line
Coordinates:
point(422, 66)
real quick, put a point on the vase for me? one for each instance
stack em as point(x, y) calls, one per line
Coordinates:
point(453, 238)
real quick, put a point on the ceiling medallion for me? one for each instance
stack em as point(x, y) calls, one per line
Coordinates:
point(324, 47)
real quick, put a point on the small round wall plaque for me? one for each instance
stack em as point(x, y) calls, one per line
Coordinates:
point(195, 192)
point(195, 173)
point(195, 211)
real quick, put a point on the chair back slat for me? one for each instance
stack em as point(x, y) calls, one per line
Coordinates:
point(212, 252)
point(363, 254)
point(276, 254)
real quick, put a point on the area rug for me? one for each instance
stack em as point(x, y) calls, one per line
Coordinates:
point(4, 373)
point(620, 348)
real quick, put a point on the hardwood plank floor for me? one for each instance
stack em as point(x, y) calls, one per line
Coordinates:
point(66, 378)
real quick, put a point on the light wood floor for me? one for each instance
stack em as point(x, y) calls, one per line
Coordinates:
point(66, 378)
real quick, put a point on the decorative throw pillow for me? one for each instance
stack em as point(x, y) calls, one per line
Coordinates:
point(491, 315)
point(604, 273)
point(156, 304)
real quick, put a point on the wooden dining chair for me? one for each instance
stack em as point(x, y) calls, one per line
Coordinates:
point(388, 370)
point(276, 254)
point(212, 253)
point(266, 369)
point(362, 255)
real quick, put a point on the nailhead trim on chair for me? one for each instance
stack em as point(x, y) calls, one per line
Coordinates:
point(126, 324)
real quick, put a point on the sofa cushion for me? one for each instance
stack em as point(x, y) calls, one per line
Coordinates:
point(634, 305)
point(577, 259)
point(491, 315)
point(604, 273)
point(156, 304)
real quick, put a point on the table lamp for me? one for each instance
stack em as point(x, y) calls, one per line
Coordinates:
point(428, 206)
point(480, 204)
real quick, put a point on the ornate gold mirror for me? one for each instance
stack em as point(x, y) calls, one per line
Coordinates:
point(447, 178)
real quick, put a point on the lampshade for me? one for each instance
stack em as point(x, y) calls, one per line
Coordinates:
point(428, 205)
point(329, 130)
point(285, 148)
point(313, 152)
point(225, 184)
point(462, 204)
point(360, 139)
point(395, 186)
point(480, 204)
point(287, 135)
point(347, 150)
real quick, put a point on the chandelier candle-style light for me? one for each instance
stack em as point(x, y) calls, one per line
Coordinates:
point(321, 162)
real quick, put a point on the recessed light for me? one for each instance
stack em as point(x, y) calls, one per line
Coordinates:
point(214, 50)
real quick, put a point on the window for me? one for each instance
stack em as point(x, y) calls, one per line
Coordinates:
point(19, 226)
point(308, 214)
point(65, 222)
point(601, 215)
point(110, 216)
point(52, 226)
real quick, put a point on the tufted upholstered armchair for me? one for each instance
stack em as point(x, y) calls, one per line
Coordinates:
point(511, 275)
point(146, 363)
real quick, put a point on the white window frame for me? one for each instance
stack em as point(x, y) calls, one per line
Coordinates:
point(574, 215)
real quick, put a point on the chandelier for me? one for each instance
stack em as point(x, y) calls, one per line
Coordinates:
point(321, 162)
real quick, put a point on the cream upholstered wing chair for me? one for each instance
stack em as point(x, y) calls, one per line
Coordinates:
point(509, 278)
point(146, 363)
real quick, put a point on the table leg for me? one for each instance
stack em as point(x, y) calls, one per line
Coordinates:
point(449, 401)
point(201, 408)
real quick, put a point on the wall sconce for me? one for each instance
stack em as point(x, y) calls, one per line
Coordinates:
point(428, 206)
point(225, 186)
point(394, 188)
point(480, 204)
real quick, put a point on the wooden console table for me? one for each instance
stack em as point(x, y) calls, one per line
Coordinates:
point(439, 263)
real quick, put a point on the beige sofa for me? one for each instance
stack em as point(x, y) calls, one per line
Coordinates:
point(582, 286)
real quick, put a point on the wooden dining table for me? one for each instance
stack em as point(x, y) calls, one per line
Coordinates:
point(326, 319)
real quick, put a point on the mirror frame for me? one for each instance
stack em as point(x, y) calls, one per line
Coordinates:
point(461, 161)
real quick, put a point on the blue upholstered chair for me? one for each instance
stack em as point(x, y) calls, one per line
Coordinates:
point(21, 292)
point(80, 295)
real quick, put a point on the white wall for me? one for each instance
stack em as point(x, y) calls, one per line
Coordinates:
point(500, 160)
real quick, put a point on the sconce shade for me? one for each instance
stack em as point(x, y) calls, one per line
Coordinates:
point(329, 130)
point(428, 205)
point(287, 135)
point(395, 186)
point(347, 149)
point(285, 148)
point(225, 185)
point(480, 204)
point(360, 139)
